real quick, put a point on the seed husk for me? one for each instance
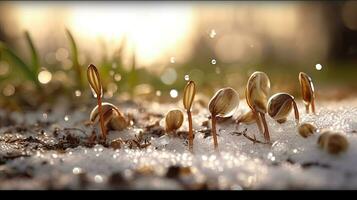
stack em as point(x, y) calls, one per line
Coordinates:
point(280, 106)
point(306, 129)
point(307, 91)
point(112, 117)
point(173, 120)
point(246, 118)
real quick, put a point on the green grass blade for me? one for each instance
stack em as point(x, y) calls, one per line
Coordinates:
point(18, 62)
point(34, 55)
point(74, 52)
point(133, 77)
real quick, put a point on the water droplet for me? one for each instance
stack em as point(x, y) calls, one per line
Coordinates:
point(61, 54)
point(114, 65)
point(8, 90)
point(78, 93)
point(169, 76)
point(158, 93)
point(213, 61)
point(172, 60)
point(318, 67)
point(76, 170)
point(44, 115)
point(98, 178)
point(173, 93)
point(117, 77)
point(66, 118)
point(44, 76)
point(213, 33)
point(187, 77)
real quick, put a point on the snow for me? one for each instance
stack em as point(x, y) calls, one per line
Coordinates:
point(291, 162)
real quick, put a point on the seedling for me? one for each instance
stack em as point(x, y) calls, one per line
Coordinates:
point(256, 94)
point(223, 104)
point(96, 86)
point(280, 106)
point(173, 120)
point(188, 97)
point(307, 91)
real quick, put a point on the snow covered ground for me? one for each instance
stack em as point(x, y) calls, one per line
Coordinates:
point(27, 160)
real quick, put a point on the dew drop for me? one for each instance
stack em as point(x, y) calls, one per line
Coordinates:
point(318, 67)
point(44, 115)
point(66, 118)
point(213, 33)
point(44, 76)
point(187, 77)
point(98, 178)
point(78, 93)
point(213, 61)
point(117, 77)
point(173, 93)
point(76, 170)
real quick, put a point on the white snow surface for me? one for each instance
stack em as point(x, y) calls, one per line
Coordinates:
point(239, 164)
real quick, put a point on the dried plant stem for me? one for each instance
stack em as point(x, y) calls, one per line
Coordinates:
point(214, 131)
point(254, 140)
point(296, 111)
point(266, 131)
point(104, 133)
point(190, 131)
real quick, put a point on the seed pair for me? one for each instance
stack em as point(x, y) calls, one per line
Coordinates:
point(174, 118)
point(109, 115)
point(307, 91)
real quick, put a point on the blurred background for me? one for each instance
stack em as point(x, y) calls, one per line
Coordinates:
point(150, 49)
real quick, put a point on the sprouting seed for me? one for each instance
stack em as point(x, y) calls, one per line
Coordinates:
point(223, 104)
point(307, 91)
point(306, 129)
point(173, 120)
point(112, 117)
point(333, 142)
point(256, 94)
point(246, 118)
point(280, 106)
point(96, 86)
point(188, 97)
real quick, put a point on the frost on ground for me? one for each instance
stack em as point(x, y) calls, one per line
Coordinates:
point(50, 150)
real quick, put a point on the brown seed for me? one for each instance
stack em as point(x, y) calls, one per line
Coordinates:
point(94, 80)
point(224, 102)
point(189, 95)
point(307, 91)
point(173, 120)
point(333, 142)
point(116, 144)
point(280, 106)
point(306, 129)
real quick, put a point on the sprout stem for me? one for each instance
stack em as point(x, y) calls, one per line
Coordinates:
point(266, 131)
point(313, 106)
point(296, 111)
point(190, 132)
point(259, 123)
point(214, 133)
point(307, 106)
point(104, 134)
